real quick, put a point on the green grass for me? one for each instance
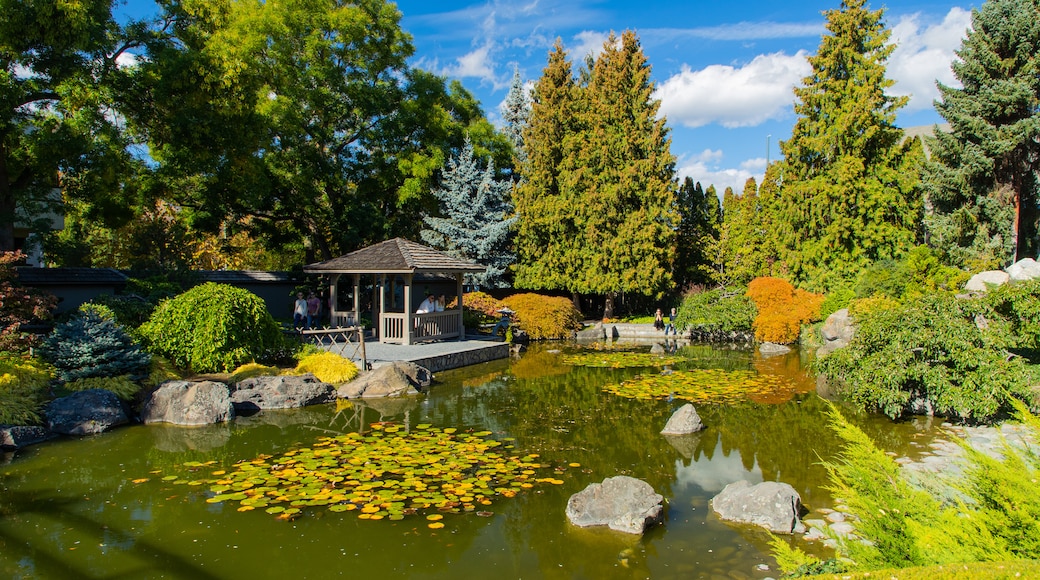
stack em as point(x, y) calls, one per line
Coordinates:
point(974, 571)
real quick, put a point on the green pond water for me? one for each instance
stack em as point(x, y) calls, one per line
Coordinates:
point(98, 507)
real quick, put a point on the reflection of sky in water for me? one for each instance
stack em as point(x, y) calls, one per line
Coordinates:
point(711, 475)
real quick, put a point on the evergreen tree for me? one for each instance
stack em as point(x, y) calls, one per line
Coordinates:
point(623, 172)
point(698, 232)
point(476, 226)
point(982, 180)
point(547, 222)
point(849, 183)
point(743, 249)
point(516, 112)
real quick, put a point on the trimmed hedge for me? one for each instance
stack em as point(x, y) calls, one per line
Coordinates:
point(213, 328)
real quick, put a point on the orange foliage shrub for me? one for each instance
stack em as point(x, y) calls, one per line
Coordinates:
point(782, 309)
point(544, 317)
point(479, 302)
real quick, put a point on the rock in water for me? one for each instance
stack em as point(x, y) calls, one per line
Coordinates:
point(189, 403)
point(280, 392)
point(683, 422)
point(392, 380)
point(622, 503)
point(85, 413)
point(772, 505)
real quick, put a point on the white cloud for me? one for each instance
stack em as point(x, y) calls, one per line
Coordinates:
point(706, 167)
point(741, 31)
point(923, 55)
point(731, 96)
point(589, 42)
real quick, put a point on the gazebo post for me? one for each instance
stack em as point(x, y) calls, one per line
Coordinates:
point(409, 324)
point(333, 299)
point(382, 305)
point(458, 294)
point(357, 300)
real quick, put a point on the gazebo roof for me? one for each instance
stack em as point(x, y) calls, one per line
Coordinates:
point(396, 256)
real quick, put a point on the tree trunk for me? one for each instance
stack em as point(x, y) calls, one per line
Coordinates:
point(608, 305)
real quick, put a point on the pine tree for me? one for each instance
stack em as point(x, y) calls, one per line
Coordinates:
point(698, 232)
point(547, 226)
point(516, 113)
point(743, 249)
point(982, 180)
point(477, 222)
point(849, 185)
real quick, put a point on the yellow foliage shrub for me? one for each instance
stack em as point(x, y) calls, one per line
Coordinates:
point(329, 367)
point(250, 370)
point(544, 317)
point(480, 302)
point(782, 309)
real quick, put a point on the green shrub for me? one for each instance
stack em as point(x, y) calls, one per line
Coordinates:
point(160, 371)
point(716, 314)
point(129, 310)
point(544, 317)
point(23, 387)
point(1019, 305)
point(88, 345)
point(328, 367)
point(930, 348)
point(212, 327)
point(250, 370)
point(996, 519)
point(918, 274)
point(835, 300)
point(19, 306)
point(122, 386)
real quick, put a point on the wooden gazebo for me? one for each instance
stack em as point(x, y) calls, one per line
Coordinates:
point(395, 266)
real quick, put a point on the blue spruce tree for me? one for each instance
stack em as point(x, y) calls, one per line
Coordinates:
point(515, 113)
point(478, 218)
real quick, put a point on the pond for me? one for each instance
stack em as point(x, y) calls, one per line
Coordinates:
point(133, 502)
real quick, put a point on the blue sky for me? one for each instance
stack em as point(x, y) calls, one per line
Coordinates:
point(724, 71)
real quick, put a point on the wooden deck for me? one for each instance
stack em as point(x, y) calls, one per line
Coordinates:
point(436, 356)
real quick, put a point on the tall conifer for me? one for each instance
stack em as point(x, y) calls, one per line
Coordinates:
point(982, 179)
point(547, 222)
point(515, 114)
point(476, 226)
point(624, 173)
point(849, 183)
point(698, 232)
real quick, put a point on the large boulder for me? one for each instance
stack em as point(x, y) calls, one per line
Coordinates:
point(772, 505)
point(392, 380)
point(683, 421)
point(18, 436)
point(189, 403)
point(280, 392)
point(1023, 270)
point(622, 503)
point(837, 332)
point(982, 281)
point(85, 413)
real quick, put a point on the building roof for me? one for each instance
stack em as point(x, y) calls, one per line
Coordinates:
point(246, 276)
point(31, 276)
point(396, 256)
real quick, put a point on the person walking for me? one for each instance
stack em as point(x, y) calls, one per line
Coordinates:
point(313, 310)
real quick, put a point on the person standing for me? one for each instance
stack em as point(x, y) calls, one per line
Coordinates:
point(671, 323)
point(313, 310)
point(299, 311)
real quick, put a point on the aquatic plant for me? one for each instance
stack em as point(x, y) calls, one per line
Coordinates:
point(707, 386)
point(390, 472)
point(619, 359)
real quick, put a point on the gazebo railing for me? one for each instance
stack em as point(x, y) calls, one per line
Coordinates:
point(344, 318)
point(426, 327)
